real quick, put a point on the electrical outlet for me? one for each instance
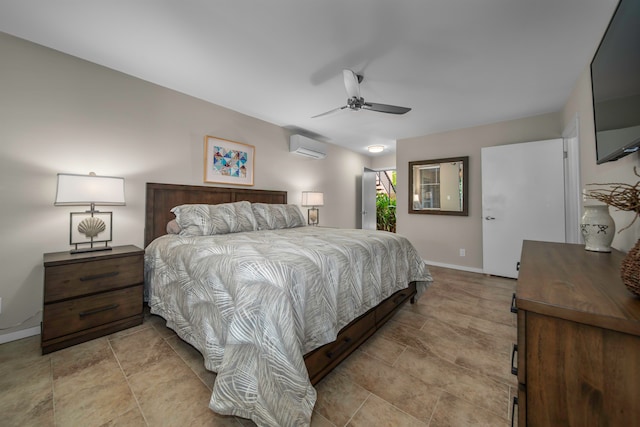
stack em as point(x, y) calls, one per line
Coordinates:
point(463, 252)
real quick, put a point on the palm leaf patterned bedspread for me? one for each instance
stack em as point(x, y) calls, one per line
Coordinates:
point(253, 303)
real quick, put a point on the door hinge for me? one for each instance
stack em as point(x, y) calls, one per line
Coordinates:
point(565, 154)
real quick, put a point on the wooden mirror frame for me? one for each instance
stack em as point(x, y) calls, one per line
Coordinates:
point(465, 187)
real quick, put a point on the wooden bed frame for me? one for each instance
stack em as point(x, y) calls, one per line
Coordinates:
point(161, 198)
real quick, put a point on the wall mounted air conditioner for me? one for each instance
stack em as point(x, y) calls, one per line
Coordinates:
point(307, 147)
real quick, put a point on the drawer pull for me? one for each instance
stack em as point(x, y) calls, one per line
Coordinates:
point(345, 343)
point(513, 409)
point(399, 298)
point(514, 370)
point(99, 276)
point(99, 310)
point(514, 309)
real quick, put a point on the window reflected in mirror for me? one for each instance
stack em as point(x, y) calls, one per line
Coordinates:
point(439, 186)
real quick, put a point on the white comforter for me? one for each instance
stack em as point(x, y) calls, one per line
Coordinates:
point(254, 303)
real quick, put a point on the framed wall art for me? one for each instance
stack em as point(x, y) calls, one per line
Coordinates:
point(228, 162)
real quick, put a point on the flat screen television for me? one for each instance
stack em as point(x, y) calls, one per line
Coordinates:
point(615, 83)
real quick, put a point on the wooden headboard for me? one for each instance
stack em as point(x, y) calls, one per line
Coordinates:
point(161, 198)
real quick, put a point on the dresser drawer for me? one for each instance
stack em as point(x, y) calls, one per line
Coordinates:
point(388, 306)
point(75, 279)
point(350, 337)
point(75, 315)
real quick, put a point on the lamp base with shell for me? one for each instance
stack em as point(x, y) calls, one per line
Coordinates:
point(96, 229)
point(91, 227)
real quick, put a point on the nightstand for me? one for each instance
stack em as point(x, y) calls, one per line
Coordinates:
point(91, 294)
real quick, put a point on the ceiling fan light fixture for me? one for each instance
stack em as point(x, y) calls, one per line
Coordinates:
point(375, 148)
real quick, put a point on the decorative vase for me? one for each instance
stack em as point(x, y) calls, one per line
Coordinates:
point(597, 228)
point(630, 269)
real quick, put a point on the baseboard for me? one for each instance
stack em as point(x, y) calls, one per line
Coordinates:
point(18, 335)
point(455, 267)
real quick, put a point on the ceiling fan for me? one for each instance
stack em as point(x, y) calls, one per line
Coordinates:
point(355, 102)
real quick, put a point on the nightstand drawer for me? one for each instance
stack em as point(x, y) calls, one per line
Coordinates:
point(70, 280)
point(83, 313)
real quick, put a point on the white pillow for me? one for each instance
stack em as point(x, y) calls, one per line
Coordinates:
point(204, 220)
point(277, 216)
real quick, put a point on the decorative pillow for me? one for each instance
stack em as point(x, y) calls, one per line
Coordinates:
point(173, 227)
point(274, 216)
point(204, 220)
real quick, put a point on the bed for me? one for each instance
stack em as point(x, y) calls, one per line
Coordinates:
point(271, 329)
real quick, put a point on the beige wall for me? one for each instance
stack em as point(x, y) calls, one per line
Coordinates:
point(384, 162)
point(439, 238)
point(580, 104)
point(450, 199)
point(62, 114)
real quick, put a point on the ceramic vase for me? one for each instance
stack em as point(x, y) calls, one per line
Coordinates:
point(597, 228)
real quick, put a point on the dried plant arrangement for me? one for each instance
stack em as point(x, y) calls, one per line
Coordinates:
point(625, 197)
point(622, 196)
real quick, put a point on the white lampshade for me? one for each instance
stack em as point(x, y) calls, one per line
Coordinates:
point(89, 189)
point(312, 198)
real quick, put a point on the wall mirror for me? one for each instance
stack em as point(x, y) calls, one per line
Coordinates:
point(439, 186)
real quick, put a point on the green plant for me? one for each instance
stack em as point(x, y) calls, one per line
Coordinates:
point(385, 212)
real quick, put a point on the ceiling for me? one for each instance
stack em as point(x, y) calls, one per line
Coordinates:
point(456, 63)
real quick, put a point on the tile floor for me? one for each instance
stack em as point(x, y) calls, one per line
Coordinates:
point(444, 361)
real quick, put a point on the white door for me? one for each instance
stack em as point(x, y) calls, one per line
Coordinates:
point(368, 199)
point(522, 199)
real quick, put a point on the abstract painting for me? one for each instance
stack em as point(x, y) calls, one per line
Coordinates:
point(228, 162)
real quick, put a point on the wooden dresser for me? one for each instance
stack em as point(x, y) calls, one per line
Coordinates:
point(88, 295)
point(578, 349)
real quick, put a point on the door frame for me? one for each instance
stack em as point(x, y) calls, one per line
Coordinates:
point(365, 207)
point(572, 182)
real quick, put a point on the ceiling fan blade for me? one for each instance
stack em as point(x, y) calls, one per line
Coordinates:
point(351, 83)
point(330, 112)
point(384, 108)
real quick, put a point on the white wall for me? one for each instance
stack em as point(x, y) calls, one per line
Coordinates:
point(439, 238)
point(63, 114)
